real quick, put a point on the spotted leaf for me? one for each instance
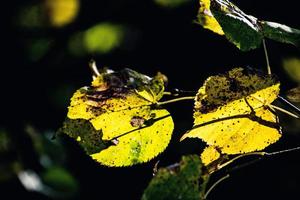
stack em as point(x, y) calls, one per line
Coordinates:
point(232, 113)
point(125, 126)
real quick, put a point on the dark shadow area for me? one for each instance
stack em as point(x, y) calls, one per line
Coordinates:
point(46, 59)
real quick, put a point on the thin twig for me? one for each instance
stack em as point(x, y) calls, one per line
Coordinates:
point(175, 100)
point(283, 151)
point(291, 105)
point(284, 111)
point(240, 156)
point(261, 154)
point(267, 57)
point(215, 184)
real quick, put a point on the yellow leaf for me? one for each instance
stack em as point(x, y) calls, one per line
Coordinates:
point(206, 18)
point(141, 144)
point(115, 106)
point(62, 12)
point(232, 113)
point(209, 155)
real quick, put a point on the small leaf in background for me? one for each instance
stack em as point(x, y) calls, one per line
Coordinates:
point(171, 3)
point(292, 68)
point(245, 31)
point(232, 114)
point(103, 37)
point(38, 48)
point(181, 182)
point(121, 125)
point(294, 95)
point(48, 13)
point(61, 12)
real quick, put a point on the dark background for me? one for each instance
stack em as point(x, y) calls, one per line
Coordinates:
point(37, 91)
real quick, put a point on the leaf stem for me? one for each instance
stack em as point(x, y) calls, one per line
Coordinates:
point(240, 156)
point(175, 100)
point(266, 56)
point(292, 106)
point(177, 92)
point(261, 154)
point(215, 184)
point(284, 111)
point(93, 67)
point(283, 151)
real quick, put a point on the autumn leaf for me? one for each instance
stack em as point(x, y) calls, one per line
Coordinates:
point(126, 127)
point(209, 155)
point(245, 31)
point(232, 112)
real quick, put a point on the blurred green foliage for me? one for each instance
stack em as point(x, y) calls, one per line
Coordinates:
point(99, 39)
point(292, 68)
point(171, 3)
point(48, 13)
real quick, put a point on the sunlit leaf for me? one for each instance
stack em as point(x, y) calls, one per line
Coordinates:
point(181, 182)
point(209, 155)
point(206, 18)
point(292, 68)
point(124, 125)
point(245, 31)
point(232, 113)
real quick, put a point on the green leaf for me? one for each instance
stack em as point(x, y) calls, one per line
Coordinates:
point(245, 31)
point(118, 122)
point(281, 33)
point(181, 182)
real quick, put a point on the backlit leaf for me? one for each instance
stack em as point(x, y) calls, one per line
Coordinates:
point(120, 124)
point(181, 182)
point(245, 31)
point(232, 113)
point(209, 155)
point(206, 18)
